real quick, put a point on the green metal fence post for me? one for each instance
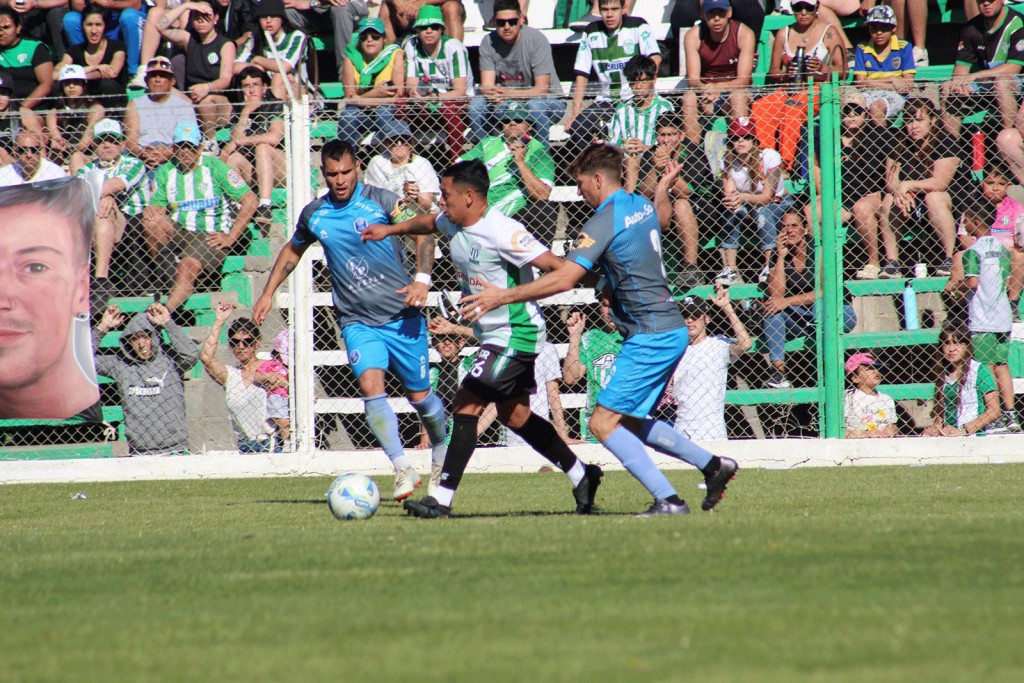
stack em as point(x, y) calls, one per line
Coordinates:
point(831, 319)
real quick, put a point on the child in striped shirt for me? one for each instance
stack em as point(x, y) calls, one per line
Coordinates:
point(634, 126)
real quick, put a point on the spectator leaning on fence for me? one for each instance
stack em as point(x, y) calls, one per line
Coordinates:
point(927, 178)
point(966, 400)
point(102, 58)
point(148, 373)
point(988, 65)
point(201, 226)
point(696, 193)
point(337, 17)
point(789, 307)
point(28, 62)
point(438, 78)
point(751, 184)
point(245, 387)
point(150, 120)
point(720, 53)
point(373, 78)
point(400, 170)
point(516, 65)
point(256, 148)
point(209, 60)
point(605, 48)
point(31, 164)
point(983, 273)
point(699, 380)
point(869, 414)
point(884, 66)
point(123, 195)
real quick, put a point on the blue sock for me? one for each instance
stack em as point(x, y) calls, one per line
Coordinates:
point(384, 425)
point(631, 452)
point(664, 439)
point(431, 412)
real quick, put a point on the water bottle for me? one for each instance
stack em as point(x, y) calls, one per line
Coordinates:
point(978, 155)
point(801, 65)
point(910, 314)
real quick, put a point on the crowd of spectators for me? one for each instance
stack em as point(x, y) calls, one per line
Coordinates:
point(208, 65)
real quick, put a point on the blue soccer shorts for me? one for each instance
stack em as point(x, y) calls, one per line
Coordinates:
point(642, 370)
point(400, 346)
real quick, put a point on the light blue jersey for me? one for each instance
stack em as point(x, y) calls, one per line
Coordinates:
point(623, 240)
point(364, 275)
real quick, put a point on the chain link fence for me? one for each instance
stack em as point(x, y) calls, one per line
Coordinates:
point(791, 248)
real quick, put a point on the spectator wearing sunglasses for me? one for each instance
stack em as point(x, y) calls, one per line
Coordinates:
point(516, 65)
point(884, 66)
point(372, 77)
point(30, 165)
point(245, 387)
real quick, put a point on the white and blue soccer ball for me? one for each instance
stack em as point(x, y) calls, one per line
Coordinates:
point(353, 496)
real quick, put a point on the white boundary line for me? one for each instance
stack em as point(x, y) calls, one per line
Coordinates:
point(769, 454)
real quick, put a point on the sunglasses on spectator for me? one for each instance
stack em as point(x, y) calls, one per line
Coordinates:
point(370, 35)
point(803, 7)
point(506, 22)
point(853, 110)
point(737, 138)
point(28, 149)
point(880, 28)
point(242, 341)
point(436, 27)
point(399, 142)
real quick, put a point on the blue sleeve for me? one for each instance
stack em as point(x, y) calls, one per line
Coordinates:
point(385, 199)
point(594, 238)
point(303, 236)
point(907, 58)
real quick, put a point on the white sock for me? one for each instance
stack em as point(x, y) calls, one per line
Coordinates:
point(576, 473)
point(438, 452)
point(265, 202)
point(444, 496)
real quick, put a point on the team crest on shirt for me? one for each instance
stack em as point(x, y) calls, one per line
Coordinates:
point(523, 241)
point(474, 253)
point(1020, 45)
point(628, 45)
point(213, 58)
point(235, 180)
point(896, 61)
point(353, 357)
point(583, 241)
point(360, 224)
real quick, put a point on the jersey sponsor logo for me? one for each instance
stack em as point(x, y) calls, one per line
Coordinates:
point(357, 266)
point(523, 241)
point(360, 224)
point(196, 204)
point(638, 216)
point(583, 241)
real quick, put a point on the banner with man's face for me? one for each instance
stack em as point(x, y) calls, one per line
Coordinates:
point(46, 357)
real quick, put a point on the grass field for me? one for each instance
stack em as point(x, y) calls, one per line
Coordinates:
point(832, 575)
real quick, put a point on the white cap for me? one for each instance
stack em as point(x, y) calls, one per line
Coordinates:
point(73, 72)
point(107, 127)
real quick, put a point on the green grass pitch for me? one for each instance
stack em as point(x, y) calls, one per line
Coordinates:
point(856, 574)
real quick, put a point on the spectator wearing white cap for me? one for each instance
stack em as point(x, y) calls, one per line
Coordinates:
point(884, 66)
point(122, 199)
point(150, 120)
point(869, 413)
point(69, 126)
point(31, 164)
point(183, 214)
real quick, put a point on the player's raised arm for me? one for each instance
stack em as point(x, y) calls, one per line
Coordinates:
point(424, 224)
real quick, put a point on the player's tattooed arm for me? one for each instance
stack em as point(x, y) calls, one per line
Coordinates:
point(426, 246)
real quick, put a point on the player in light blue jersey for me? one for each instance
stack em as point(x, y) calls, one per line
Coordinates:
point(623, 241)
point(378, 307)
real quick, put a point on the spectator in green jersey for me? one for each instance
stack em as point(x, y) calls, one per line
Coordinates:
point(183, 217)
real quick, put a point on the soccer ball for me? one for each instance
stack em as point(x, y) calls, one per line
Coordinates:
point(353, 496)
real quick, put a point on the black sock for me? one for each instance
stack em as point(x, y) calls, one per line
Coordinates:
point(542, 437)
point(676, 500)
point(460, 450)
point(712, 465)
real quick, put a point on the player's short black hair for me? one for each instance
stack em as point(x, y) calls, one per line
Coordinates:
point(640, 65)
point(507, 6)
point(599, 158)
point(471, 174)
point(336, 149)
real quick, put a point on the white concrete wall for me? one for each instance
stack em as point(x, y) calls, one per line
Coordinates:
point(772, 454)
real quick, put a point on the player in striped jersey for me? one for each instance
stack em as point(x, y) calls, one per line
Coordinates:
point(122, 199)
point(493, 250)
point(198, 191)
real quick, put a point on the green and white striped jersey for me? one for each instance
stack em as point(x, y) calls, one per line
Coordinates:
point(506, 191)
point(200, 200)
point(289, 45)
point(497, 250)
point(988, 306)
point(607, 53)
point(435, 73)
point(135, 196)
point(630, 122)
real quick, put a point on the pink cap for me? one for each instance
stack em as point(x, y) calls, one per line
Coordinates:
point(858, 359)
point(281, 345)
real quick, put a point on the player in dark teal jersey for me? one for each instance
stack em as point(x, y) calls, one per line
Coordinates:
point(623, 241)
point(378, 307)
